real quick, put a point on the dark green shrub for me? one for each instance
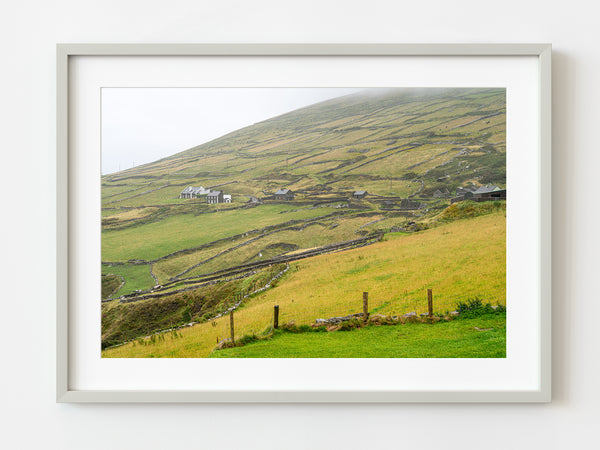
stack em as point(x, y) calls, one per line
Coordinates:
point(350, 325)
point(475, 308)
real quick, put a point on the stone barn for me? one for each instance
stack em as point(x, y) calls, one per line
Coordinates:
point(359, 195)
point(489, 193)
point(284, 194)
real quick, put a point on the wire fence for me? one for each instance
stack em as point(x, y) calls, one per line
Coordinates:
point(424, 303)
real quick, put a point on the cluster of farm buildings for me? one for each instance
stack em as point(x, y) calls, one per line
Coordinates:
point(486, 193)
point(219, 197)
point(481, 194)
point(211, 196)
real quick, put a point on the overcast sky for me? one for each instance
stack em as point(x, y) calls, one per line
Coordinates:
point(141, 125)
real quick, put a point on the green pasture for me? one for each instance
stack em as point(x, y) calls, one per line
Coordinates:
point(455, 339)
point(460, 260)
point(169, 267)
point(315, 235)
point(153, 240)
point(137, 277)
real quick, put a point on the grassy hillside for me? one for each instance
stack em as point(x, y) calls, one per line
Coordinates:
point(125, 322)
point(459, 260)
point(397, 144)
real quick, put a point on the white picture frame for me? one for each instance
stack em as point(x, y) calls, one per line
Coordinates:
point(65, 214)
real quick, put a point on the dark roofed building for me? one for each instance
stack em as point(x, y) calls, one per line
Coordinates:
point(485, 193)
point(214, 197)
point(488, 194)
point(486, 189)
point(359, 194)
point(284, 194)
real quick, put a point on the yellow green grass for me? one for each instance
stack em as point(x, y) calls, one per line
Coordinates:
point(399, 162)
point(458, 260)
point(314, 235)
point(153, 240)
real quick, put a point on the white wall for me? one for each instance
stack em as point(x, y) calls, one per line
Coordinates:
point(31, 418)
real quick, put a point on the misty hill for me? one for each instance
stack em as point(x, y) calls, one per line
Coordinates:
point(409, 149)
point(421, 140)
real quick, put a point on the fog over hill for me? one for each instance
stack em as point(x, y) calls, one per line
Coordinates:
point(376, 134)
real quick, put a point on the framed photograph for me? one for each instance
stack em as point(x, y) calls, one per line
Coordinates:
point(303, 223)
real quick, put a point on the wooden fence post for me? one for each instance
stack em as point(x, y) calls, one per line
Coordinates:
point(430, 302)
point(231, 327)
point(276, 317)
point(365, 307)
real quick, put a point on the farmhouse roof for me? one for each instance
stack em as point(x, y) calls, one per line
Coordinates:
point(214, 193)
point(282, 191)
point(487, 188)
point(193, 190)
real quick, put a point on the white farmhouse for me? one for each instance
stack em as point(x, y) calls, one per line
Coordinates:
point(193, 192)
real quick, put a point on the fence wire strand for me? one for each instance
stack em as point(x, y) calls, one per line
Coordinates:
point(307, 312)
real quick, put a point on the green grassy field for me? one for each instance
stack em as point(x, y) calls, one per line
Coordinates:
point(151, 241)
point(455, 339)
point(137, 277)
point(462, 259)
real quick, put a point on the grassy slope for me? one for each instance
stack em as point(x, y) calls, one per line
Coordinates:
point(123, 322)
point(455, 339)
point(182, 231)
point(459, 260)
point(109, 284)
point(328, 149)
